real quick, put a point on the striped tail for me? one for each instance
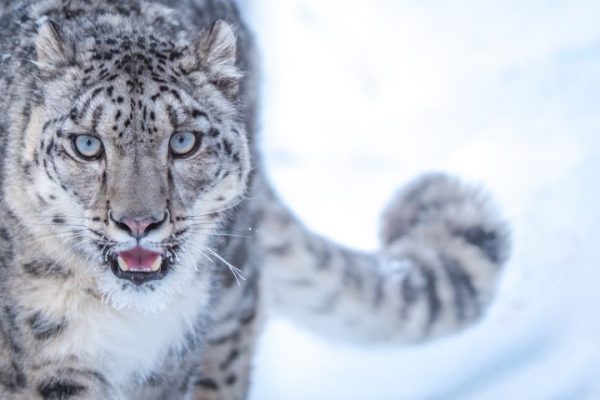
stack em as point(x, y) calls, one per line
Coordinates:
point(443, 247)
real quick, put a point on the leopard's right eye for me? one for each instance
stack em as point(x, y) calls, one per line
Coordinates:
point(87, 147)
point(183, 144)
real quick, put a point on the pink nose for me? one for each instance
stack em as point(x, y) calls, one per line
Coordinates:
point(136, 227)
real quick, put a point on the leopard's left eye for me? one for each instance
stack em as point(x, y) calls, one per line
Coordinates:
point(183, 143)
point(88, 147)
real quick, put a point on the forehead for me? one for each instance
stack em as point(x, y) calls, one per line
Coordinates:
point(138, 64)
point(135, 53)
point(135, 90)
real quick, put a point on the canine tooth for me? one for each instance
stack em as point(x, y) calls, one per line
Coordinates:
point(122, 264)
point(156, 264)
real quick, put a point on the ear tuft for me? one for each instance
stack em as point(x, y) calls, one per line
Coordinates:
point(217, 52)
point(53, 49)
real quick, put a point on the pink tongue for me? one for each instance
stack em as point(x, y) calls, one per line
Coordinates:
point(139, 259)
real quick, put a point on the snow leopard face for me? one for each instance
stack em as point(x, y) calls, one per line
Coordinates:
point(133, 153)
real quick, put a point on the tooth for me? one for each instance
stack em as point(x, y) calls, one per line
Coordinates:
point(156, 264)
point(122, 264)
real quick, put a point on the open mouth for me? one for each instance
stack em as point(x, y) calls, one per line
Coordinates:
point(139, 265)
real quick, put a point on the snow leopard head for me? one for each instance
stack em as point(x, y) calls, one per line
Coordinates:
point(133, 152)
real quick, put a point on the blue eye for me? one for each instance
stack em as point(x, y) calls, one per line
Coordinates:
point(87, 146)
point(183, 143)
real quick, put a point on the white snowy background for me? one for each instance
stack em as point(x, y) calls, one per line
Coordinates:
point(359, 97)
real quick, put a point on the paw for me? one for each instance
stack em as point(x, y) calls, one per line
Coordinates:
point(440, 205)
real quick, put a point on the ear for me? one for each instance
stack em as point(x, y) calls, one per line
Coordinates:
point(54, 49)
point(216, 50)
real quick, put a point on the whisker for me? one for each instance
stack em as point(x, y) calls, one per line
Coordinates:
point(64, 224)
point(219, 210)
point(65, 254)
point(237, 273)
point(226, 234)
point(190, 257)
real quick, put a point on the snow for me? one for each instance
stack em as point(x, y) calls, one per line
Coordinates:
point(359, 97)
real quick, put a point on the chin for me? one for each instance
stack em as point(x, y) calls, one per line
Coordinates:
point(156, 295)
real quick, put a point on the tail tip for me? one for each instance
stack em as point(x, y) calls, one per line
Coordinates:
point(462, 210)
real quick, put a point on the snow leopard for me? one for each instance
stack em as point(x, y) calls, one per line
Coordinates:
point(141, 245)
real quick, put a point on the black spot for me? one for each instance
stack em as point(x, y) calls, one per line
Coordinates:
point(58, 219)
point(465, 294)
point(227, 146)
point(433, 299)
point(4, 234)
point(206, 383)
point(175, 94)
point(50, 147)
point(233, 355)
point(248, 315)
point(489, 242)
point(96, 116)
point(39, 268)
point(280, 250)
point(231, 380)
point(197, 113)
point(379, 293)
point(27, 169)
point(91, 292)
point(11, 373)
point(409, 294)
point(44, 329)
point(233, 336)
point(59, 389)
point(41, 200)
point(96, 92)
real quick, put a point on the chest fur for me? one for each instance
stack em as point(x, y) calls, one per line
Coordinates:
point(72, 322)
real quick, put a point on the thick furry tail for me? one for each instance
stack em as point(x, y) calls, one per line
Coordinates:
point(443, 247)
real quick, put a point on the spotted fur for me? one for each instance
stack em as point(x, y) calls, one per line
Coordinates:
point(132, 74)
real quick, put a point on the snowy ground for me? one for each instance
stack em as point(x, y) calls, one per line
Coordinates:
point(361, 96)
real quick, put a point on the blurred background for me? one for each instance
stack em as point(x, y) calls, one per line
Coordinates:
point(360, 97)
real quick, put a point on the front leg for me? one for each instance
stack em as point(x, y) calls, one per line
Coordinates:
point(60, 379)
point(69, 380)
point(226, 363)
point(26, 374)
